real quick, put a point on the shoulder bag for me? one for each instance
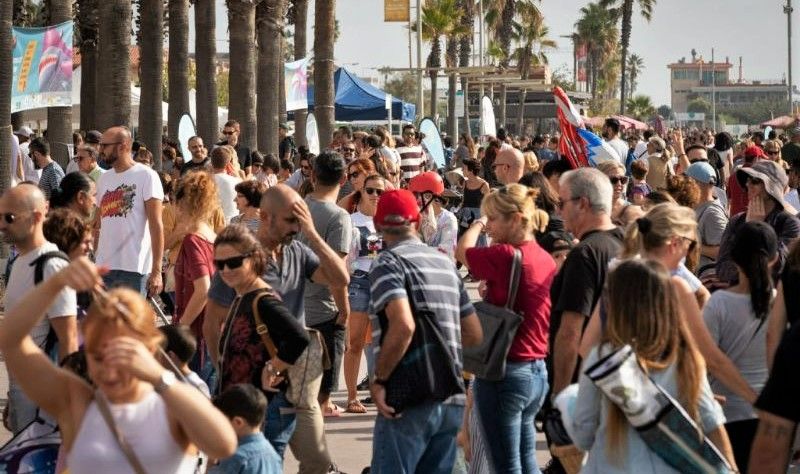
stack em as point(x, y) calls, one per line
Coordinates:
point(127, 450)
point(487, 360)
point(306, 372)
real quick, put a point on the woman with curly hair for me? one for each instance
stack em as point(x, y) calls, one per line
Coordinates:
point(684, 189)
point(71, 233)
point(196, 200)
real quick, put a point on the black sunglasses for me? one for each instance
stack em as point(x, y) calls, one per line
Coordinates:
point(228, 133)
point(9, 217)
point(754, 181)
point(232, 263)
point(374, 191)
point(618, 180)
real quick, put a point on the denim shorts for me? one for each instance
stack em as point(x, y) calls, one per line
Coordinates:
point(358, 291)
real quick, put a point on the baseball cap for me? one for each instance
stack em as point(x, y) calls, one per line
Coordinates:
point(24, 131)
point(702, 172)
point(284, 126)
point(93, 136)
point(754, 151)
point(395, 208)
point(795, 131)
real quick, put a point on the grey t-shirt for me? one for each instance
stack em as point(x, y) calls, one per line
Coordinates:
point(733, 326)
point(333, 225)
point(288, 277)
point(711, 223)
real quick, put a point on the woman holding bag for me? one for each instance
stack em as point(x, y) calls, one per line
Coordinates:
point(506, 408)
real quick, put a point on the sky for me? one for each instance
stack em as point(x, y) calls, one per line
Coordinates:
point(753, 29)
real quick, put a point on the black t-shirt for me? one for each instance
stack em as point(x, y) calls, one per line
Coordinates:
point(578, 285)
point(193, 165)
point(782, 390)
point(242, 153)
point(790, 277)
point(286, 146)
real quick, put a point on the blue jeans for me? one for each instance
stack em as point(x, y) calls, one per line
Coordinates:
point(135, 281)
point(506, 410)
point(279, 423)
point(422, 439)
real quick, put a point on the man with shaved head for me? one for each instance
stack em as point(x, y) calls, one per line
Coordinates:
point(22, 212)
point(129, 199)
point(509, 166)
point(290, 265)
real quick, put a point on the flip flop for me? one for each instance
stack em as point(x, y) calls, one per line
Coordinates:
point(354, 406)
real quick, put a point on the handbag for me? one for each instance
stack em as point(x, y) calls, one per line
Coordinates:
point(305, 375)
point(661, 421)
point(427, 371)
point(487, 360)
point(130, 455)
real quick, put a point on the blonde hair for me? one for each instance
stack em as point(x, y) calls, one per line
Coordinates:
point(124, 312)
point(199, 191)
point(661, 223)
point(516, 198)
point(608, 167)
point(531, 162)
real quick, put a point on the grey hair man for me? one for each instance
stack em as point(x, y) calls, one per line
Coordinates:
point(585, 204)
point(86, 157)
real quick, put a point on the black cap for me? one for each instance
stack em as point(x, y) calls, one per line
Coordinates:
point(93, 136)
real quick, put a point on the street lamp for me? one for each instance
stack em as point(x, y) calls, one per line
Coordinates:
point(787, 9)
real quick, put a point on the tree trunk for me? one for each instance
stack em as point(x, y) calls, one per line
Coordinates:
point(17, 119)
point(59, 119)
point(6, 68)
point(503, 98)
point(178, 67)
point(300, 48)
point(242, 78)
point(324, 93)
point(451, 55)
point(205, 20)
point(151, 119)
point(88, 26)
point(114, 82)
point(270, 16)
point(627, 14)
point(434, 61)
point(464, 51)
point(523, 96)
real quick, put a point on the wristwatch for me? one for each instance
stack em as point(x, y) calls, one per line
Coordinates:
point(166, 380)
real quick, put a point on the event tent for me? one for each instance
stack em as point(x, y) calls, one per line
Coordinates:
point(358, 100)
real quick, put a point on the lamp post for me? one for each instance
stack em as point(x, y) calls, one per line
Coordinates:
point(788, 10)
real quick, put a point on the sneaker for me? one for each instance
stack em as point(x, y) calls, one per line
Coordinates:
point(364, 384)
point(367, 401)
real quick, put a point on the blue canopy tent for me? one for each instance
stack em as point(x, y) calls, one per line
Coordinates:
point(357, 100)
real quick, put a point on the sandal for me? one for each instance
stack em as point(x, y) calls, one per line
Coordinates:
point(332, 412)
point(354, 406)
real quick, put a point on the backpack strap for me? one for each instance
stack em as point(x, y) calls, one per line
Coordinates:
point(38, 276)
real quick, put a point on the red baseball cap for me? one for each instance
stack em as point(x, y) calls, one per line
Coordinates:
point(754, 151)
point(395, 208)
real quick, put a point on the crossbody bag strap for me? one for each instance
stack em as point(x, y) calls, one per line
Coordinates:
point(261, 328)
point(130, 455)
point(513, 282)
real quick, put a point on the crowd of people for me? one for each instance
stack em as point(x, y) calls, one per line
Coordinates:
point(280, 273)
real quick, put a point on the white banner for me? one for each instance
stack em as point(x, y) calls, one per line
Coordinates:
point(690, 116)
point(296, 75)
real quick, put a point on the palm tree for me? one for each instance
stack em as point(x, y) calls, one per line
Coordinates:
point(596, 29)
point(114, 78)
point(178, 67)
point(6, 68)
point(500, 16)
point(242, 78)
point(270, 15)
point(640, 107)
point(151, 119)
point(324, 94)
point(626, 9)
point(457, 31)
point(299, 17)
point(439, 18)
point(205, 47)
point(635, 66)
point(465, 50)
point(532, 36)
point(87, 27)
point(59, 119)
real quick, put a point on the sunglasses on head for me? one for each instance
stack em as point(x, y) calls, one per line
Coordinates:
point(375, 191)
point(232, 263)
point(615, 180)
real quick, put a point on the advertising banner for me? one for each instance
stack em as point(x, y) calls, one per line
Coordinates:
point(396, 10)
point(296, 84)
point(581, 55)
point(42, 67)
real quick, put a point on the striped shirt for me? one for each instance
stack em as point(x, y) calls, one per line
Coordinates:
point(412, 160)
point(52, 174)
point(435, 284)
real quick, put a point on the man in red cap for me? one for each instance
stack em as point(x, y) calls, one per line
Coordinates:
point(737, 195)
point(423, 439)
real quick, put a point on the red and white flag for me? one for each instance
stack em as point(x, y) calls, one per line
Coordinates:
point(571, 145)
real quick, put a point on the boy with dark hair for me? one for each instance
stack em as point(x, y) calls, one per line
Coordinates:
point(180, 345)
point(246, 407)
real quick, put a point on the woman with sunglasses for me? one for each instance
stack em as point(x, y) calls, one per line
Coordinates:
point(616, 174)
point(357, 172)
point(243, 358)
point(196, 200)
point(668, 235)
point(772, 148)
point(366, 243)
point(77, 193)
point(162, 420)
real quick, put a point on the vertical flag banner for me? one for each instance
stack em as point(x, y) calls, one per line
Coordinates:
point(581, 55)
point(570, 145)
point(296, 84)
point(396, 10)
point(42, 74)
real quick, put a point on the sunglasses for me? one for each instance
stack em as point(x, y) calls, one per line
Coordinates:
point(373, 191)
point(615, 180)
point(348, 150)
point(228, 133)
point(754, 181)
point(773, 152)
point(232, 263)
point(9, 217)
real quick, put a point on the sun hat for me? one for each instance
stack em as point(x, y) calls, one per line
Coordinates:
point(771, 173)
point(24, 131)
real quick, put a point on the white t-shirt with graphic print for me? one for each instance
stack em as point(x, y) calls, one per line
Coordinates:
point(124, 242)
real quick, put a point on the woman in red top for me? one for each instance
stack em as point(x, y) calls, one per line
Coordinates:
point(506, 408)
point(196, 200)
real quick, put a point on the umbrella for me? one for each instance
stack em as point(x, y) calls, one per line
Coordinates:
point(783, 122)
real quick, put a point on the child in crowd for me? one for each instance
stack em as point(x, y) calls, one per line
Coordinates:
point(640, 189)
point(180, 347)
point(246, 407)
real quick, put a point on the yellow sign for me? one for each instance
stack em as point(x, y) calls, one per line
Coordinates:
point(396, 10)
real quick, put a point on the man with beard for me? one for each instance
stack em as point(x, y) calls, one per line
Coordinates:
point(131, 241)
point(199, 156)
point(290, 265)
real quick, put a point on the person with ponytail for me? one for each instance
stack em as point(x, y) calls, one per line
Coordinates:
point(506, 408)
point(643, 309)
point(76, 192)
point(736, 320)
